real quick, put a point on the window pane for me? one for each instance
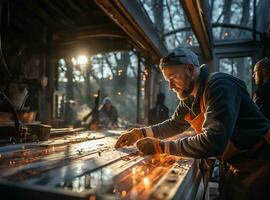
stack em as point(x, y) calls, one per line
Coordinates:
point(238, 67)
point(114, 74)
point(222, 33)
point(232, 12)
point(175, 26)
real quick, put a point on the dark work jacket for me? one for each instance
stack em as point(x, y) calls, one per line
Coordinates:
point(230, 114)
point(262, 98)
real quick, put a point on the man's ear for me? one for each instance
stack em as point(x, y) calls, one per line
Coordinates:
point(191, 68)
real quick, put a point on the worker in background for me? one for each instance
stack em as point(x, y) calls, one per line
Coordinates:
point(261, 96)
point(160, 112)
point(94, 114)
point(228, 124)
point(108, 115)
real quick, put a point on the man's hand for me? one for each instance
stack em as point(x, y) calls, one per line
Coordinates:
point(129, 138)
point(150, 146)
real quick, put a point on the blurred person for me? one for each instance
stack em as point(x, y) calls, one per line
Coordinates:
point(160, 112)
point(228, 124)
point(108, 115)
point(261, 96)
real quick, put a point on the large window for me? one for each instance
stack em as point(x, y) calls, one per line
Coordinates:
point(171, 21)
point(232, 19)
point(114, 74)
point(238, 67)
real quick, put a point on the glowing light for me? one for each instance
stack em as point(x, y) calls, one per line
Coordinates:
point(144, 78)
point(134, 170)
point(119, 93)
point(120, 72)
point(82, 60)
point(145, 72)
point(226, 34)
point(146, 182)
point(110, 77)
point(74, 61)
point(123, 193)
point(95, 95)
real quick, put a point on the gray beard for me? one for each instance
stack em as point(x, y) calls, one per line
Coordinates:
point(186, 93)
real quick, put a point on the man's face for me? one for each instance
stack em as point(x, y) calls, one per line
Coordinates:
point(180, 79)
point(257, 75)
point(108, 105)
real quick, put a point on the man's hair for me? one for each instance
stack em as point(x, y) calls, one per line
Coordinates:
point(264, 63)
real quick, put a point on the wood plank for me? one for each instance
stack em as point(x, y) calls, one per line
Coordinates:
point(38, 12)
point(66, 18)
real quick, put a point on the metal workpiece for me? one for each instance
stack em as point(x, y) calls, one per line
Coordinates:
point(85, 165)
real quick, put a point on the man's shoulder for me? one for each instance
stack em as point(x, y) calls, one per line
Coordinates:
point(262, 90)
point(219, 78)
point(266, 86)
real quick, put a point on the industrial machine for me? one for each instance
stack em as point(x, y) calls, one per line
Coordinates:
point(85, 165)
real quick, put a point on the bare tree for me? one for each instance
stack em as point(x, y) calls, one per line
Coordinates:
point(226, 12)
point(245, 16)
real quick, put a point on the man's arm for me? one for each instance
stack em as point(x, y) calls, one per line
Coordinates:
point(175, 125)
point(171, 127)
point(222, 102)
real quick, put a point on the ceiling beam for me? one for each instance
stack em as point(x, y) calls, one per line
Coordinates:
point(134, 21)
point(52, 8)
point(197, 13)
point(98, 31)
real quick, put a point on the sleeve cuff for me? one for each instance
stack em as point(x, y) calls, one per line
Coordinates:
point(147, 132)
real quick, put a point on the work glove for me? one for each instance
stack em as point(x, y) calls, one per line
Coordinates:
point(129, 138)
point(150, 146)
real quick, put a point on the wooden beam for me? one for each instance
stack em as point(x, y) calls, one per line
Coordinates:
point(106, 30)
point(57, 12)
point(195, 11)
point(138, 87)
point(38, 12)
point(131, 18)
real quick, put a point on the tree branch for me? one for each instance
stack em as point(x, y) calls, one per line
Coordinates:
point(109, 64)
point(171, 21)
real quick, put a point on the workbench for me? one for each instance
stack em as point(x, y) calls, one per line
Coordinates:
point(85, 165)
